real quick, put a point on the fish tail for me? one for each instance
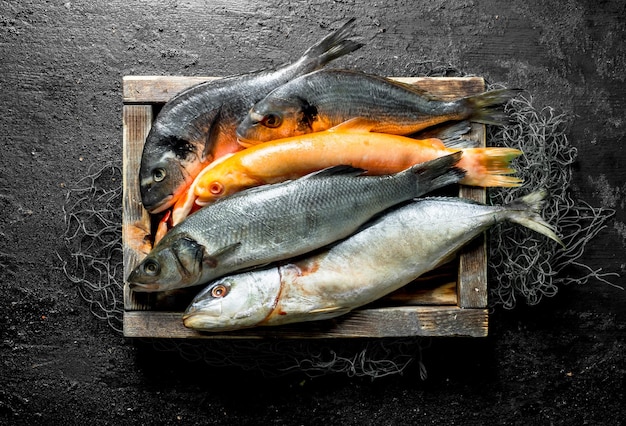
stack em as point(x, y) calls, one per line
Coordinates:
point(437, 173)
point(526, 212)
point(489, 166)
point(484, 106)
point(332, 46)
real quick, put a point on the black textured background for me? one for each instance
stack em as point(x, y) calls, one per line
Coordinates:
point(62, 62)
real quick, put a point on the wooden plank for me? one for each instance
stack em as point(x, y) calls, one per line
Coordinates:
point(160, 89)
point(412, 294)
point(157, 89)
point(370, 323)
point(472, 278)
point(137, 120)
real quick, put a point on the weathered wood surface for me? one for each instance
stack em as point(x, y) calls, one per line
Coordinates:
point(160, 89)
point(467, 288)
point(368, 323)
point(137, 120)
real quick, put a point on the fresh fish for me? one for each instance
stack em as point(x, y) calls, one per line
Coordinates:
point(274, 222)
point(384, 256)
point(452, 135)
point(198, 125)
point(346, 144)
point(322, 99)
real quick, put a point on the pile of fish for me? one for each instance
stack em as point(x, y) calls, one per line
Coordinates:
point(297, 194)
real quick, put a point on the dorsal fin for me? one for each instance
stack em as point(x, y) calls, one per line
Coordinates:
point(339, 170)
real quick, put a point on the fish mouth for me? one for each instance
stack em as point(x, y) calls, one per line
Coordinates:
point(187, 316)
point(162, 205)
point(246, 143)
point(193, 319)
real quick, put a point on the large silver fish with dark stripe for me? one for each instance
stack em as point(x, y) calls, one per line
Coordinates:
point(389, 253)
point(198, 125)
point(275, 222)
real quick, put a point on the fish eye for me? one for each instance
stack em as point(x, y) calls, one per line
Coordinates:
point(158, 174)
point(151, 267)
point(216, 188)
point(272, 121)
point(219, 290)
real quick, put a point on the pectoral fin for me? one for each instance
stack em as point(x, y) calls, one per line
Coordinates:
point(212, 260)
point(211, 138)
point(329, 312)
point(355, 125)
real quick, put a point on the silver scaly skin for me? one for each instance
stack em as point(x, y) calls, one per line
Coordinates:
point(275, 222)
point(387, 254)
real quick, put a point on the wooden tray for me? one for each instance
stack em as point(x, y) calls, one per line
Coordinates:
point(450, 301)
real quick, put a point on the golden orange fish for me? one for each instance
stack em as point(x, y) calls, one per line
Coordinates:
point(347, 144)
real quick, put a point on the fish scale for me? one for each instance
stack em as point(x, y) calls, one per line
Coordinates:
point(240, 231)
point(388, 253)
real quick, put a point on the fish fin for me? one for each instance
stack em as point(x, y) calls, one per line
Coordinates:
point(183, 206)
point(452, 135)
point(211, 138)
point(437, 173)
point(335, 171)
point(488, 166)
point(355, 125)
point(329, 312)
point(484, 106)
point(162, 227)
point(526, 212)
point(213, 259)
point(332, 46)
point(459, 143)
point(444, 130)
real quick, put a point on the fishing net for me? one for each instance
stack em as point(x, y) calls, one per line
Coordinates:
point(93, 242)
point(522, 265)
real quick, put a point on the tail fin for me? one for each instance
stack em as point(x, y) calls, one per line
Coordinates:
point(485, 106)
point(526, 212)
point(332, 46)
point(437, 173)
point(488, 166)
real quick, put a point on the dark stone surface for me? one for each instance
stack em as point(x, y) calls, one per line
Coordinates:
point(562, 362)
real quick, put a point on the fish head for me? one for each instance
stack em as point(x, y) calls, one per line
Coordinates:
point(173, 263)
point(219, 179)
point(234, 302)
point(168, 166)
point(276, 118)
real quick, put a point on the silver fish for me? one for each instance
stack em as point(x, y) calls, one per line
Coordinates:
point(389, 253)
point(198, 125)
point(274, 222)
point(325, 98)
